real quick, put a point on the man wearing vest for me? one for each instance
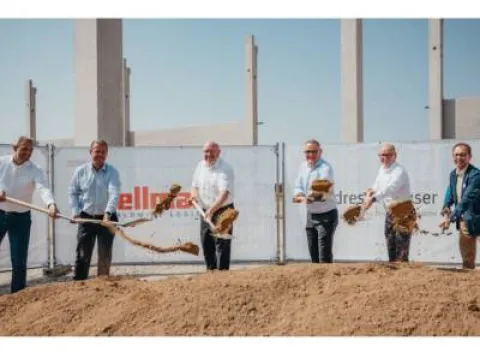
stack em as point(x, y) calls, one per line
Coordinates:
point(463, 192)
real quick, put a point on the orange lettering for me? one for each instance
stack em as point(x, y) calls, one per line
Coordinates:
point(142, 199)
point(136, 192)
point(125, 202)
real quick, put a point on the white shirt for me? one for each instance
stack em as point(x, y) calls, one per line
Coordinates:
point(19, 182)
point(460, 175)
point(392, 184)
point(213, 180)
point(322, 170)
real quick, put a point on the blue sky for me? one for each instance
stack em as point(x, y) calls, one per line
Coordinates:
point(190, 72)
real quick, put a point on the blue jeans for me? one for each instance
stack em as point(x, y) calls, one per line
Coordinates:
point(17, 225)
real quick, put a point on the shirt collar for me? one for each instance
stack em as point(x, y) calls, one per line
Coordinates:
point(215, 165)
point(390, 168)
point(26, 163)
point(315, 165)
point(461, 172)
point(103, 168)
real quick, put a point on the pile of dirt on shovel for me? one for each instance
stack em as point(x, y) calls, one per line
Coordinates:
point(307, 299)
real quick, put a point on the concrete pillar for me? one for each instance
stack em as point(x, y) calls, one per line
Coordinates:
point(351, 80)
point(435, 78)
point(126, 103)
point(99, 103)
point(31, 110)
point(251, 54)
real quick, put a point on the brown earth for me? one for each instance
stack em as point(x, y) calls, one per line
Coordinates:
point(338, 299)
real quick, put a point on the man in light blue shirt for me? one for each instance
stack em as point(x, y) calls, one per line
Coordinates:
point(322, 216)
point(93, 194)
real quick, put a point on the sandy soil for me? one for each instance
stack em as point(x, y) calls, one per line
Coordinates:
point(299, 299)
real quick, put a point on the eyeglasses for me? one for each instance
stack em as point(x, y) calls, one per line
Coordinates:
point(311, 151)
point(385, 154)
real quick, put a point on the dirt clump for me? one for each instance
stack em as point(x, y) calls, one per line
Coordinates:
point(306, 299)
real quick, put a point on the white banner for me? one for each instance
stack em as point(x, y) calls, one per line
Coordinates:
point(38, 250)
point(355, 168)
point(148, 172)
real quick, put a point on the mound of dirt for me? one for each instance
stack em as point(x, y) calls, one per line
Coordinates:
point(337, 299)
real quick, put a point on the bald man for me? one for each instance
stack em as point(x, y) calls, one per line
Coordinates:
point(391, 184)
point(212, 189)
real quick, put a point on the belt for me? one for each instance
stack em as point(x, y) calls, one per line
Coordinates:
point(221, 207)
point(14, 213)
point(85, 214)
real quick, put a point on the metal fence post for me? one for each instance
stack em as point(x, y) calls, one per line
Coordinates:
point(51, 222)
point(279, 195)
point(282, 199)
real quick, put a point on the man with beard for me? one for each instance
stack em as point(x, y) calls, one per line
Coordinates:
point(213, 189)
point(463, 192)
point(19, 177)
point(93, 194)
point(391, 185)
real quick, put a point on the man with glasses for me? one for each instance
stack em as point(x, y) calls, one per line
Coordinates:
point(322, 215)
point(463, 192)
point(213, 189)
point(391, 184)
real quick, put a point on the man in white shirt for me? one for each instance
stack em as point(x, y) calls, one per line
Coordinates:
point(391, 184)
point(213, 189)
point(322, 216)
point(19, 177)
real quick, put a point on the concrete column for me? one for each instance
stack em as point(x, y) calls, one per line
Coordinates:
point(126, 103)
point(251, 54)
point(99, 103)
point(31, 110)
point(435, 78)
point(351, 80)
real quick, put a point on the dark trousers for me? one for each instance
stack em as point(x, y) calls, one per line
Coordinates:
point(17, 226)
point(86, 235)
point(398, 243)
point(320, 231)
point(215, 251)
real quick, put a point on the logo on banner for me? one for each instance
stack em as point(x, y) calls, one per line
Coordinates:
point(142, 200)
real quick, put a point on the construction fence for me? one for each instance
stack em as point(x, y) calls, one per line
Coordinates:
point(270, 228)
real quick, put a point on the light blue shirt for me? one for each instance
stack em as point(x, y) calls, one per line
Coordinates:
point(322, 170)
point(94, 192)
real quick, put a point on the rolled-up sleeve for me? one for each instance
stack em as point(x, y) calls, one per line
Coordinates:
point(41, 185)
point(74, 193)
point(226, 180)
point(299, 190)
point(113, 191)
